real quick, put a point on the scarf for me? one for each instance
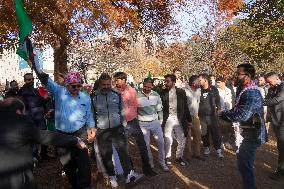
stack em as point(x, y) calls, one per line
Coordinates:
point(250, 85)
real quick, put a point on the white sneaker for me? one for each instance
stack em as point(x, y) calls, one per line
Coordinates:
point(219, 154)
point(165, 168)
point(228, 146)
point(133, 177)
point(223, 146)
point(113, 181)
point(206, 151)
point(35, 161)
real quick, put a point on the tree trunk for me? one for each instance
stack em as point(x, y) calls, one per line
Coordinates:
point(60, 58)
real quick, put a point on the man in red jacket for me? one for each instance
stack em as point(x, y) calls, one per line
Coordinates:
point(129, 97)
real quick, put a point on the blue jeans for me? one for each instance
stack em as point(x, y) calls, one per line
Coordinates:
point(246, 157)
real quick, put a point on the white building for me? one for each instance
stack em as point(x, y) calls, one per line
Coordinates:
point(10, 65)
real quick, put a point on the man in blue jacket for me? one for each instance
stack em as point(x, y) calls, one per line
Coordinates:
point(248, 111)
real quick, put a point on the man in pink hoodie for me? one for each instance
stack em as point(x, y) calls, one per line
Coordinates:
point(129, 97)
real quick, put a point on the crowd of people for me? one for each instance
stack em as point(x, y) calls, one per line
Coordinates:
point(95, 125)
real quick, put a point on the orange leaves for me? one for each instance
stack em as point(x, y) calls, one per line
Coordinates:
point(220, 64)
point(230, 6)
point(85, 17)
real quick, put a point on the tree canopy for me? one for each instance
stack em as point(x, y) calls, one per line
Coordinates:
point(107, 35)
point(57, 22)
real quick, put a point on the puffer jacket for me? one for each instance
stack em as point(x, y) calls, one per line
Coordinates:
point(108, 109)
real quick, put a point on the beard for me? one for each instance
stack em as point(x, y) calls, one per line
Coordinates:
point(168, 87)
point(105, 91)
point(30, 84)
point(238, 82)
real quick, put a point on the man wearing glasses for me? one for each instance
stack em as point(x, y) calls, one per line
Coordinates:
point(73, 116)
point(34, 105)
point(248, 111)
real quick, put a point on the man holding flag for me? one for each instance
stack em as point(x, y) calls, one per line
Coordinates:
point(73, 115)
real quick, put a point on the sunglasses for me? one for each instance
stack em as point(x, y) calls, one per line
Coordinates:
point(75, 86)
point(30, 79)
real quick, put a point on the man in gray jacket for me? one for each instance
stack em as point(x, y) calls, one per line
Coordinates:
point(110, 124)
point(275, 103)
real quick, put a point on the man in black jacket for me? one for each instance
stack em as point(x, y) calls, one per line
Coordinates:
point(17, 136)
point(176, 118)
point(14, 90)
point(275, 103)
point(208, 106)
point(35, 110)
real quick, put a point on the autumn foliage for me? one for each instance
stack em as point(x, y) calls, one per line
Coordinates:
point(142, 36)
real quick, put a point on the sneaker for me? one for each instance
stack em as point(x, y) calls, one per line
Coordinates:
point(133, 177)
point(206, 151)
point(228, 146)
point(223, 146)
point(181, 162)
point(35, 162)
point(113, 181)
point(60, 173)
point(150, 173)
point(219, 154)
point(168, 161)
point(277, 175)
point(165, 168)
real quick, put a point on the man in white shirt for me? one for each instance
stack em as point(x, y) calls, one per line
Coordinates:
point(179, 81)
point(263, 87)
point(193, 98)
point(150, 116)
point(226, 104)
point(176, 118)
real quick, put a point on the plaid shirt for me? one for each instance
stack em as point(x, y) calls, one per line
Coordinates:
point(250, 102)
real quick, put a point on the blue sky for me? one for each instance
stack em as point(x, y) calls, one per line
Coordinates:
point(193, 23)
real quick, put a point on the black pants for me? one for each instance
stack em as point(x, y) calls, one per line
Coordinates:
point(20, 180)
point(76, 162)
point(40, 123)
point(279, 133)
point(133, 129)
point(211, 124)
point(113, 136)
point(36, 114)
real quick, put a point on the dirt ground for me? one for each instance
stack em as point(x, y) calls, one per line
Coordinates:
point(212, 173)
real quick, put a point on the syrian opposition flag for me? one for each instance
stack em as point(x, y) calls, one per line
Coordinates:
point(25, 49)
